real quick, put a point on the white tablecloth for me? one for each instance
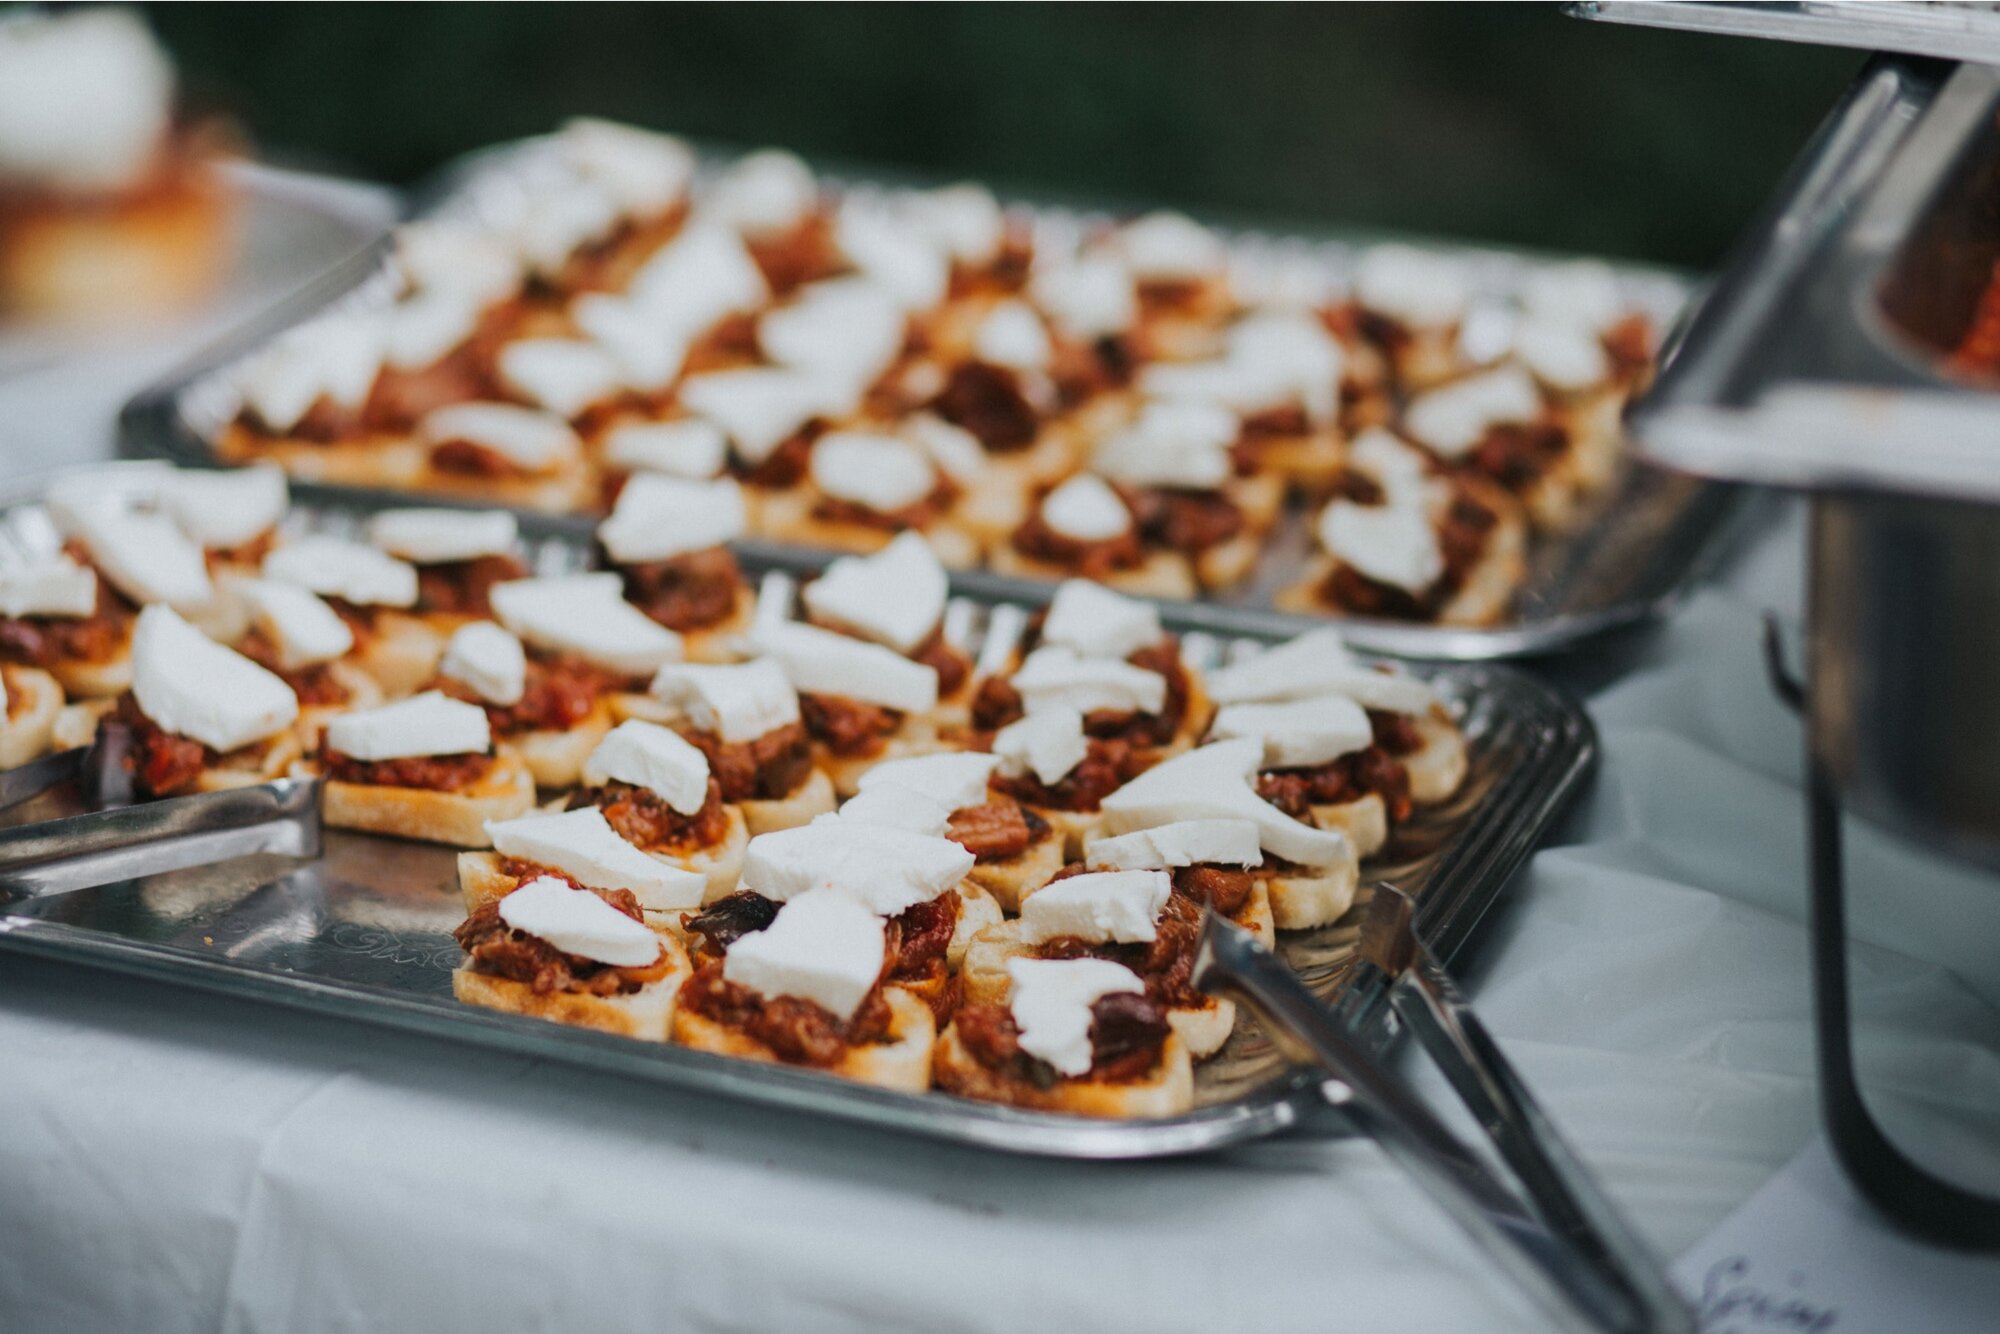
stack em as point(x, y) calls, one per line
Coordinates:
point(174, 1161)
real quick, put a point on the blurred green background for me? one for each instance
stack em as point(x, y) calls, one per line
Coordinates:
point(1505, 122)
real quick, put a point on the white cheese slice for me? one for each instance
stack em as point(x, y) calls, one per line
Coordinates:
point(684, 447)
point(224, 509)
point(1098, 906)
point(737, 703)
point(194, 687)
point(1169, 246)
point(438, 536)
point(1214, 780)
point(955, 450)
point(53, 586)
point(703, 275)
point(482, 655)
point(458, 258)
point(883, 473)
point(1088, 299)
point(1211, 842)
point(144, 554)
point(334, 567)
point(563, 214)
point(335, 357)
point(1086, 509)
point(1298, 733)
point(963, 221)
point(1562, 354)
point(560, 375)
point(1582, 292)
point(432, 723)
point(650, 756)
point(887, 870)
point(586, 614)
point(1391, 544)
point(531, 440)
point(582, 845)
point(760, 407)
point(1419, 289)
point(658, 517)
point(1012, 335)
point(1098, 623)
point(821, 662)
point(954, 781)
point(893, 254)
point(1047, 743)
point(577, 922)
point(1452, 418)
point(850, 326)
point(895, 597)
point(1241, 387)
point(761, 193)
point(645, 171)
point(646, 347)
point(1054, 676)
point(1296, 349)
point(1051, 1000)
point(824, 948)
point(302, 628)
point(1399, 468)
point(892, 807)
point(1317, 663)
point(1175, 443)
point(426, 326)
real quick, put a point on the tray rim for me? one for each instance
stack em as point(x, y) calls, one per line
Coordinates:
point(150, 423)
point(1469, 876)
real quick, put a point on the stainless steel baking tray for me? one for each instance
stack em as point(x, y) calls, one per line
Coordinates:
point(1821, 360)
point(1642, 544)
point(364, 930)
point(1954, 31)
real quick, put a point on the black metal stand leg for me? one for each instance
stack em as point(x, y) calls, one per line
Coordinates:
point(1913, 1197)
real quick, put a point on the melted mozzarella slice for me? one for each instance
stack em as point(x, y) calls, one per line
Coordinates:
point(586, 614)
point(562, 375)
point(1054, 676)
point(335, 357)
point(228, 509)
point(1453, 418)
point(885, 869)
point(1417, 288)
point(658, 517)
point(1178, 443)
point(1209, 842)
point(302, 628)
point(645, 346)
point(1098, 906)
point(192, 686)
point(145, 555)
point(1087, 298)
point(883, 473)
point(334, 567)
point(531, 440)
point(760, 193)
point(1051, 1000)
point(895, 597)
point(583, 846)
point(438, 536)
point(737, 703)
point(482, 655)
point(1300, 732)
point(893, 254)
point(685, 447)
point(1098, 623)
point(820, 662)
point(432, 723)
point(760, 407)
point(850, 326)
point(1166, 246)
point(577, 922)
point(823, 947)
point(645, 171)
point(701, 276)
point(653, 757)
point(1391, 544)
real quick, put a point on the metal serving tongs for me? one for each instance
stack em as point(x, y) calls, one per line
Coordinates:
point(1558, 1235)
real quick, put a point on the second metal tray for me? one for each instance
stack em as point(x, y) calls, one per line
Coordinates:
point(363, 931)
point(1644, 542)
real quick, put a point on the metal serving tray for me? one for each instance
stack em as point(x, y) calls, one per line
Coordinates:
point(1821, 358)
point(364, 930)
point(1954, 31)
point(1645, 541)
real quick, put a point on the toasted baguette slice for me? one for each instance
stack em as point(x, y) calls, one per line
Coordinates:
point(722, 862)
point(983, 980)
point(76, 723)
point(1014, 878)
point(454, 818)
point(568, 491)
point(647, 1014)
point(1482, 599)
point(903, 1062)
point(556, 758)
point(97, 678)
point(392, 462)
point(977, 911)
point(1073, 829)
point(717, 643)
point(401, 652)
point(34, 701)
point(917, 737)
point(1163, 574)
point(363, 692)
point(1313, 896)
point(813, 797)
point(481, 880)
point(1167, 1091)
point(787, 516)
point(252, 765)
point(1364, 820)
point(1438, 767)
